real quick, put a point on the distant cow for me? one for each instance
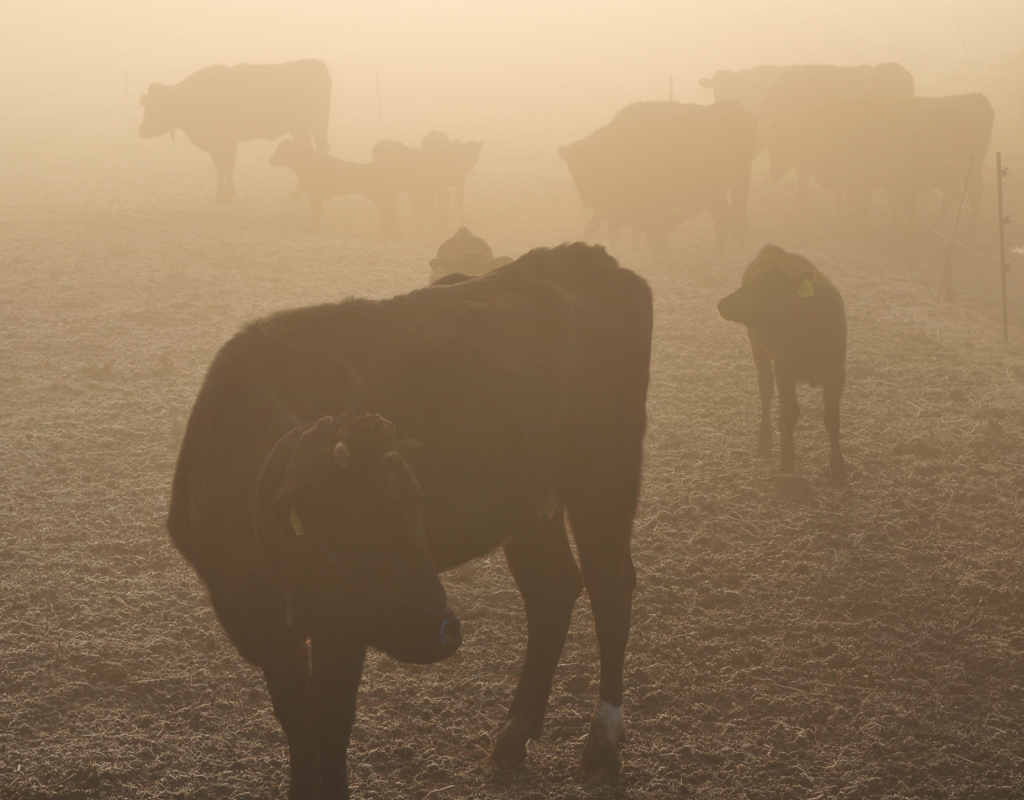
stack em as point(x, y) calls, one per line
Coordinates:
point(901, 145)
point(454, 161)
point(796, 324)
point(465, 256)
point(411, 171)
point(657, 164)
point(339, 456)
point(781, 95)
point(748, 86)
point(218, 107)
point(324, 176)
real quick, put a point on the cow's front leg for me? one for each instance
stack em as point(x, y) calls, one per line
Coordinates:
point(337, 666)
point(224, 164)
point(542, 563)
point(287, 677)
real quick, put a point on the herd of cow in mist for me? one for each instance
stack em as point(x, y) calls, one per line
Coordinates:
point(656, 165)
point(339, 457)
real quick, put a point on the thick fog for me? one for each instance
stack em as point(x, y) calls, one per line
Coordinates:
point(523, 77)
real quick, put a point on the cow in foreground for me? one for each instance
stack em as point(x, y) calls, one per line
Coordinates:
point(218, 107)
point(324, 176)
point(658, 164)
point(339, 457)
point(797, 326)
point(463, 256)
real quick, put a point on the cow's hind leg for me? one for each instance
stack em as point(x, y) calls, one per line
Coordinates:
point(542, 563)
point(601, 509)
point(789, 413)
point(224, 164)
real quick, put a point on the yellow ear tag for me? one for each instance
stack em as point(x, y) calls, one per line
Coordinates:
point(297, 523)
point(806, 289)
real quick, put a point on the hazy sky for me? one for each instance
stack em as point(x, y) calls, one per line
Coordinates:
point(529, 71)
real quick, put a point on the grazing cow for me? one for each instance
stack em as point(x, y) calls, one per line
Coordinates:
point(325, 176)
point(795, 319)
point(899, 144)
point(781, 95)
point(218, 107)
point(454, 160)
point(657, 164)
point(463, 255)
point(451, 421)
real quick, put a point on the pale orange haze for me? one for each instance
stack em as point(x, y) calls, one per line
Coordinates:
point(522, 76)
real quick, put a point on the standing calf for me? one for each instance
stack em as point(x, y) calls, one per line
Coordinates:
point(796, 323)
point(324, 176)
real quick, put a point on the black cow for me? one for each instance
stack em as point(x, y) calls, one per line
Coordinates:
point(218, 107)
point(465, 255)
point(324, 176)
point(795, 319)
point(525, 390)
point(658, 164)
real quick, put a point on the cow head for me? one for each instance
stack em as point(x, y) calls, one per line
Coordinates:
point(774, 286)
point(348, 505)
point(161, 114)
point(722, 83)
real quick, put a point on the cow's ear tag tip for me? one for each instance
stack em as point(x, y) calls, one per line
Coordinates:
point(297, 523)
point(806, 289)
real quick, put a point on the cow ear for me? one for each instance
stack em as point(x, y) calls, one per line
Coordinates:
point(561, 151)
point(411, 451)
point(143, 100)
point(707, 83)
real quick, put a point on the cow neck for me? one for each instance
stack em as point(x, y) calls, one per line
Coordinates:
point(325, 548)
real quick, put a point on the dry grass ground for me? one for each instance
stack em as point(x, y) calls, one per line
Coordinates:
point(862, 643)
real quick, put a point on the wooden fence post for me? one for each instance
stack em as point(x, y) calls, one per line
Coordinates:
point(1004, 265)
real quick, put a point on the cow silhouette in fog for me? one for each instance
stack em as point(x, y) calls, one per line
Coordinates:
point(324, 176)
point(454, 160)
point(901, 145)
point(781, 95)
point(425, 174)
point(339, 456)
point(658, 164)
point(797, 327)
point(218, 107)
